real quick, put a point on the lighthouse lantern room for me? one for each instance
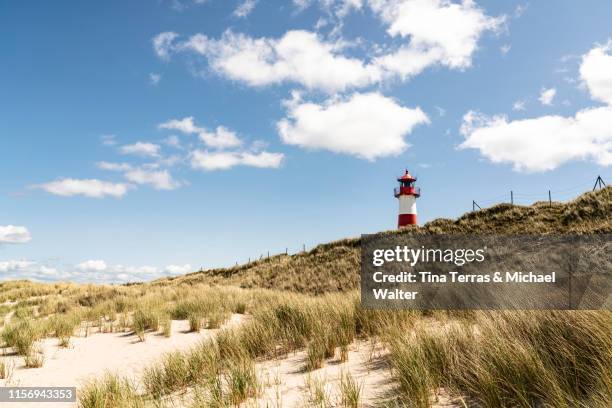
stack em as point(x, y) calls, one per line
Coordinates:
point(407, 194)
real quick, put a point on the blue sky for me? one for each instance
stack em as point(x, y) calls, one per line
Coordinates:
point(147, 138)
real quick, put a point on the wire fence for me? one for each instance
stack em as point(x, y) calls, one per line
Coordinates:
point(527, 198)
point(267, 255)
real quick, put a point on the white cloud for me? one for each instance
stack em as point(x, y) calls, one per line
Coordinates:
point(420, 21)
point(303, 57)
point(167, 161)
point(12, 234)
point(147, 174)
point(138, 270)
point(92, 266)
point(178, 269)
point(220, 140)
point(368, 125)
point(302, 4)
point(113, 166)
point(141, 149)
point(162, 44)
point(321, 22)
point(547, 96)
point(245, 8)
point(298, 56)
point(87, 187)
point(222, 160)
point(15, 265)
point(596, 72)
point(542, 143)
point(25, 269)
point(91, 271)
point(122, 273)
point(98, 271)
point(339, 8)
point(519, 106)
point(159, 179)
point(154, 78)
point(346, 6)
point(546, 142)
point(262, 159)
point(182, 5)
point(222, 137)
point(205, 160)
point(505, 49)
point(185, 125)
point(173, 141)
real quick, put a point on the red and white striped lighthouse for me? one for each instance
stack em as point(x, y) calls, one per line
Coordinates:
point(407, 194)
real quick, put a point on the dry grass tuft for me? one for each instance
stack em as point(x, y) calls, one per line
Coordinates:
point(110, 392)
point(350, 391)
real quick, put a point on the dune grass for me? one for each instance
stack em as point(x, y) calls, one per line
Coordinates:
point(166, 325)
point(350, 391)
point(21, 335)
point(317, 394)
point(35, 358)
point(491, 358)
point(521, 359)
point(110, 391)
point(63, 327)
point(195, 321)
point(146, 318)
point(6, 369)
point(546, 358)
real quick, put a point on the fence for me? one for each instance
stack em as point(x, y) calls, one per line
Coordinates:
point(516, 197)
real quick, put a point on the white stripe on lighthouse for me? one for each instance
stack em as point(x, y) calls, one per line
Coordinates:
point(407, 204)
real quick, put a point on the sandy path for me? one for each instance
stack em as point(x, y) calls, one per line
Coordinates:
point(288, 385)
point(284, 383)
point(92, 356)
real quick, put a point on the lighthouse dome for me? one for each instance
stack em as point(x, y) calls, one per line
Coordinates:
point(407, 177)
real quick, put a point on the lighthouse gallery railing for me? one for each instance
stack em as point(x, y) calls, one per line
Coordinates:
point(407, 190)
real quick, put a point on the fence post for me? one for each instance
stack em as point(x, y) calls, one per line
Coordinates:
point(304, 247)
point(549, 199)
point(286, 251)
point(511, 197)
point(599, 182)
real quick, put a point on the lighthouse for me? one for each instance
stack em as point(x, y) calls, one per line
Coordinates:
point(407, 194)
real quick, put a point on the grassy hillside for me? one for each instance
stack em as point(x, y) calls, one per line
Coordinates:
point(334, 266)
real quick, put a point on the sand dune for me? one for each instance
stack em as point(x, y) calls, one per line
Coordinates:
point(90, 357)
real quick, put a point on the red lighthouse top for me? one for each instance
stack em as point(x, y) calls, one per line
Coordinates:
point(406, 186)
point(406, 177)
